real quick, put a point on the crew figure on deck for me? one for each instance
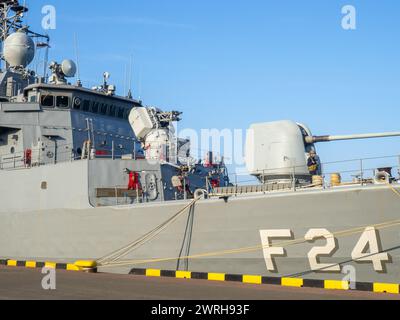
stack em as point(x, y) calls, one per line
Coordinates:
point(314, 164)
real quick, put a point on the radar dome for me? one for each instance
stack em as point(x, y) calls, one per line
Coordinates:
point(19, 49)
point(68, 67)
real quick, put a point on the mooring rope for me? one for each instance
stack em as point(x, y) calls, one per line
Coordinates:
point(120, 253)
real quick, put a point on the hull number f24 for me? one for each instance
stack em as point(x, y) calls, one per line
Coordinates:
point(367, 250)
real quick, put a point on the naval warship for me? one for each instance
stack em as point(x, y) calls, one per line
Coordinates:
point(88, 174)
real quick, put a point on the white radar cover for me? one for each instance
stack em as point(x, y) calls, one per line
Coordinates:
point(19, 49)
point(68, 67)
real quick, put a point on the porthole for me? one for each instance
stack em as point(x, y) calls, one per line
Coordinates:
point(77, 103)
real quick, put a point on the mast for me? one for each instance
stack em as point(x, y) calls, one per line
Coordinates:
point(11, 21)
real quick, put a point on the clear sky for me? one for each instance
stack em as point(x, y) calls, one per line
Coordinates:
point(227, 64)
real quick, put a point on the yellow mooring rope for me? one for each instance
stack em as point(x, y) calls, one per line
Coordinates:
point(284, 244)
point(120, 253)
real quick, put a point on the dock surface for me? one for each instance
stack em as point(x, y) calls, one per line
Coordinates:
point(25, 284)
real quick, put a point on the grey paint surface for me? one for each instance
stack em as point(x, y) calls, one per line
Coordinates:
point(79, 231)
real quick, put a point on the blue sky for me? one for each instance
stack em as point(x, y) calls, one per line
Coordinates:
point(227, 64)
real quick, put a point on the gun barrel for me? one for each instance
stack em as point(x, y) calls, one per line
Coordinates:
point(317, 139)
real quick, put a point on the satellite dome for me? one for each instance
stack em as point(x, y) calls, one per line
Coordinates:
point(19, 49)
point(68, 67)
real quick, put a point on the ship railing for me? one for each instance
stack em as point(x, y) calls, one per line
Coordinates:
point(38, 157)
point(355, 171)
point(352, 172)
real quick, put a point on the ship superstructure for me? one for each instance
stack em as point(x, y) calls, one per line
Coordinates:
point(51, 121)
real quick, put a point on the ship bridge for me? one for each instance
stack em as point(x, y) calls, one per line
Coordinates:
point(65, 97)
point(54, 121)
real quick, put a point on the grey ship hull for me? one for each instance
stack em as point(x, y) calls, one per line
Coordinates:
point(218, 225)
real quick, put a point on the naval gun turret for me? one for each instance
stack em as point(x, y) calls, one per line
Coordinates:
point(278, 151)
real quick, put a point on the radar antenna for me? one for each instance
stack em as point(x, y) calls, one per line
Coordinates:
point(67, 69)
point(106, 88)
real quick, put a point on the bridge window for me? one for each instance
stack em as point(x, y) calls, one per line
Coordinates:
point(112, 111)
point(62, 102)
point(121, 113)
point(126, 113)
point(86, 105)
point(103, 108)
point(95, 107)
point(47, 101)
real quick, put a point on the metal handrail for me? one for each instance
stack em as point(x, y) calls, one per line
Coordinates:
point(17, 161)
point(361, 169)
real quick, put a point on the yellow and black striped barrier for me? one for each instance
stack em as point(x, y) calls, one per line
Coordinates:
point(87, 266)
point(285, 282)
point(91, 266)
